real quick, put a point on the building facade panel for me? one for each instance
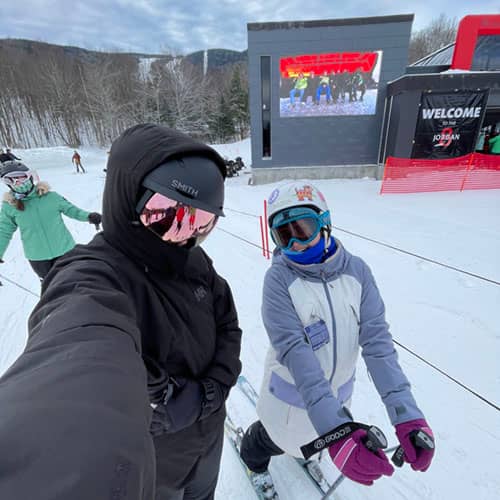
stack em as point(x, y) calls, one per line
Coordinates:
point(319, 141)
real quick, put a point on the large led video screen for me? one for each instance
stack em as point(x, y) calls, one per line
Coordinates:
point(333, 84)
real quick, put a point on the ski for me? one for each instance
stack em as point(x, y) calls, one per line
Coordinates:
point(315, 474)
point(264, 490)
point(310, 467)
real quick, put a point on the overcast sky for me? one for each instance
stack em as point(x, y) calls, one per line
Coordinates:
point(184, 26)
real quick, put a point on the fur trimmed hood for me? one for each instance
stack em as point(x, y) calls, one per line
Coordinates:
point(41, 189)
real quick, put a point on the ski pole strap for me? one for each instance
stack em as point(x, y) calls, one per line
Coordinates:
point(420, 439)
point(374, 440)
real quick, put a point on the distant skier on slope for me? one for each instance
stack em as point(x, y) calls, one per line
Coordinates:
point(320, 305)
point(134, 345)
point(76, 159)
point(36, 211)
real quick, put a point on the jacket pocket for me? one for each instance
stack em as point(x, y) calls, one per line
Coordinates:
point(355, 314)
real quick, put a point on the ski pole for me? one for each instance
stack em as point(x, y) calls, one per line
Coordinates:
point(339, 480)
point(420, 439)
point(375, 439)
point(333, 487)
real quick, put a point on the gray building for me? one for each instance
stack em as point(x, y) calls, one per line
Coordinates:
point(317, 94)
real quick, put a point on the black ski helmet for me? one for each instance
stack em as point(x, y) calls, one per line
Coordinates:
point(194, 180)
point(8, 167)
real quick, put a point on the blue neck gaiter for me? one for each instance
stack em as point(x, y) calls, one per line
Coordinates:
point(313, 255)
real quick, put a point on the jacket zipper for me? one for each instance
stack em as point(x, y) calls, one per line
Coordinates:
point(334, 331)
point(42, 230)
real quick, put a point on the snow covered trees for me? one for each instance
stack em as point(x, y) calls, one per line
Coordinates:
point(61, 95)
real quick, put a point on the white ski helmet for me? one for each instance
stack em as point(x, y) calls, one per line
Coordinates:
point(295, 194)
point(14, 168)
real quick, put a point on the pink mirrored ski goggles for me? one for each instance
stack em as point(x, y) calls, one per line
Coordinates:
point(14, 178)
point(174, 221)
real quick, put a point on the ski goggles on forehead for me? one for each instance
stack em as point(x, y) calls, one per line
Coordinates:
point(174, 221)
point(13, 178)
point(300, 224)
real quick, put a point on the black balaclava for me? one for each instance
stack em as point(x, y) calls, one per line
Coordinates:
point(135, 153)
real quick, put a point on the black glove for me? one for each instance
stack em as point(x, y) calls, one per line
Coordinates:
point(214, 395)
point(180, 407)
point(185, 401)
point(95, 218)
point(1, 261)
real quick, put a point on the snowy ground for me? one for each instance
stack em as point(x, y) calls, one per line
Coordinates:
point(307, 108)
point(448, 318)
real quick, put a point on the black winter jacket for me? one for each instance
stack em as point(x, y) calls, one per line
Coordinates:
point(121, 313)
point(8, 157)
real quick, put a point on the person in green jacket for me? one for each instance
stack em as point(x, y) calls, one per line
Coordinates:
point(494, 144)
point(37, 212)
point(300, 85)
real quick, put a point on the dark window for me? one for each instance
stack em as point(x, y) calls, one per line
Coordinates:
point(487, 53)
point(265, 82)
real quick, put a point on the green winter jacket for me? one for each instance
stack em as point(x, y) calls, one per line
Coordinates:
point(494, 144)
point(43, 232)
point(300, 83)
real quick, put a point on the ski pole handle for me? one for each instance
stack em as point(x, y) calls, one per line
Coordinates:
point(398, 457)
point(420, 439)
point(375, 439)
point(423, 440)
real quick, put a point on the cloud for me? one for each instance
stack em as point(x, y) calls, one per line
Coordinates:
point(152, 25)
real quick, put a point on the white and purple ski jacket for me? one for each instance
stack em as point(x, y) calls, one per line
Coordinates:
point(317, 317)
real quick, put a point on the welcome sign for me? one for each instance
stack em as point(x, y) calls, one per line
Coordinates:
point(448, 123)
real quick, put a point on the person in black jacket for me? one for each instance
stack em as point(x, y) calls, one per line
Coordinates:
point(7, 156)
point(134, 345)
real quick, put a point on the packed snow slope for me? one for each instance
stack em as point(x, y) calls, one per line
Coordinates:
point(447, 317)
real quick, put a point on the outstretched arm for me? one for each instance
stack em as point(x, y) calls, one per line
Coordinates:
point(70, 210)
point(381, 357)
point(74, 412)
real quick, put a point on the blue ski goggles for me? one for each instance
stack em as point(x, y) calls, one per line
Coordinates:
point(297, 224)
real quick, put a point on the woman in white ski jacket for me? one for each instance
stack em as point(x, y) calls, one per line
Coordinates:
point(320, 307)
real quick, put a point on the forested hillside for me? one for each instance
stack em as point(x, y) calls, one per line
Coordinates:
point(51, 94)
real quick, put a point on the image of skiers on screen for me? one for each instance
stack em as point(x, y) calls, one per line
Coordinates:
point(329, 84)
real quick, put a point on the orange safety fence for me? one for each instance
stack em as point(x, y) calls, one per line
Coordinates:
point(472, 171)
